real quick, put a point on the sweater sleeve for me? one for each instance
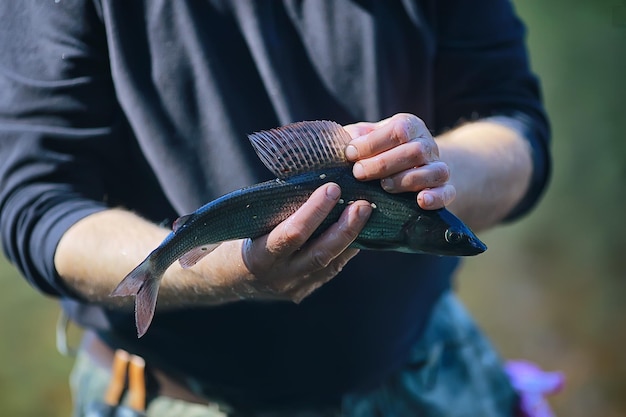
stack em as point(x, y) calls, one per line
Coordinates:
point(483, 71)
point(57, 129)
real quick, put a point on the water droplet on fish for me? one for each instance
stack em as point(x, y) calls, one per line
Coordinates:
point(341, 201)
point(322, 176)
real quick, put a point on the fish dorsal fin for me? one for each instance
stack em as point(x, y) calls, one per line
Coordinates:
point(301, 147)
point(179, 222)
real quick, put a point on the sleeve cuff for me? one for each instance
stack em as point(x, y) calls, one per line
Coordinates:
point(46, 237)
point(536, 136)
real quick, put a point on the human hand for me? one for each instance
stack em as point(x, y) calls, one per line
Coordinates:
point(401, 152)
point(285, 265)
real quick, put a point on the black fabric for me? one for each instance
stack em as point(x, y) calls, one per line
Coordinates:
point(146, 105)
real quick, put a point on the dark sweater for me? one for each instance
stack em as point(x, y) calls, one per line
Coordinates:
point(146, 105)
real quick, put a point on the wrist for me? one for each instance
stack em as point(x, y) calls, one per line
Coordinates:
point(490, 168)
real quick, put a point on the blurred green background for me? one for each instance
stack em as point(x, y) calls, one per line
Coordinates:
point(551, 288)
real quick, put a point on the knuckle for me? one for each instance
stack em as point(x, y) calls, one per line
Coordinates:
point(444, 173)
point(273, 290)
point(299, 296)
point(413, 124)
point(416, 151)
point(360, 127)
point(278, 245)
point(440, 173)
point(291, 234)
point(380, 164)
point(281, 289)
point(320, 259)
point(400, 134)
point(346, 233)
point(412, 119)
point(335, 268)
point(320, 213)
point(310, 289)
point(266, 287)
point(256, 256)
point(449, 194)
point(426, 148)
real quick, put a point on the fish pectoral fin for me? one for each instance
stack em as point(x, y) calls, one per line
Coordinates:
point(193, 256)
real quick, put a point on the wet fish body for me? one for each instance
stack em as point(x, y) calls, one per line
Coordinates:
point(305, 156)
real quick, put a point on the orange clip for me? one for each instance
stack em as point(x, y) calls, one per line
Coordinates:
point(114, 393)
point(137, 383)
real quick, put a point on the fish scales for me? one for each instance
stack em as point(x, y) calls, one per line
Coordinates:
point(255, 211)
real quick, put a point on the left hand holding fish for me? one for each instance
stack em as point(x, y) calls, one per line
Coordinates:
point(401, 152)
point(485, 166)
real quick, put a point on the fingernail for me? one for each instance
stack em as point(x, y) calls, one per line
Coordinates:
point(358, 171)
point(427, 199)
point(333, 192)
point(351, 152)
point(387, 184)
point(364, 212)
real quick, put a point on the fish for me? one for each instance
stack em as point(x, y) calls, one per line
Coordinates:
point(302, 156)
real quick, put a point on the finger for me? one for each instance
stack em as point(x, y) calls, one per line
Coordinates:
point(359, 129)
point(432, 175)
point(388, 134)
point(323, 250)
point(406, 156)
point(292, 233)
point(436, 198)
point(310, 274)
point(319, 278)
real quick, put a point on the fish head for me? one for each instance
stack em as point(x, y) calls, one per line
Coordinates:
point(440, 232)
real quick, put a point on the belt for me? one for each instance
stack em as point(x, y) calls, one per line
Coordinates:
point(103, 355)
point(163, 384)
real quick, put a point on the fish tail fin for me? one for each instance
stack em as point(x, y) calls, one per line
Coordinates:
point(143, 283)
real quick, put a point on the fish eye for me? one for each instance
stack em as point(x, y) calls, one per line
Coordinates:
point(452, 236)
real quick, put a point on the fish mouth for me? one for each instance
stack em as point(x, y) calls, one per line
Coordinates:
point(476, 246)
